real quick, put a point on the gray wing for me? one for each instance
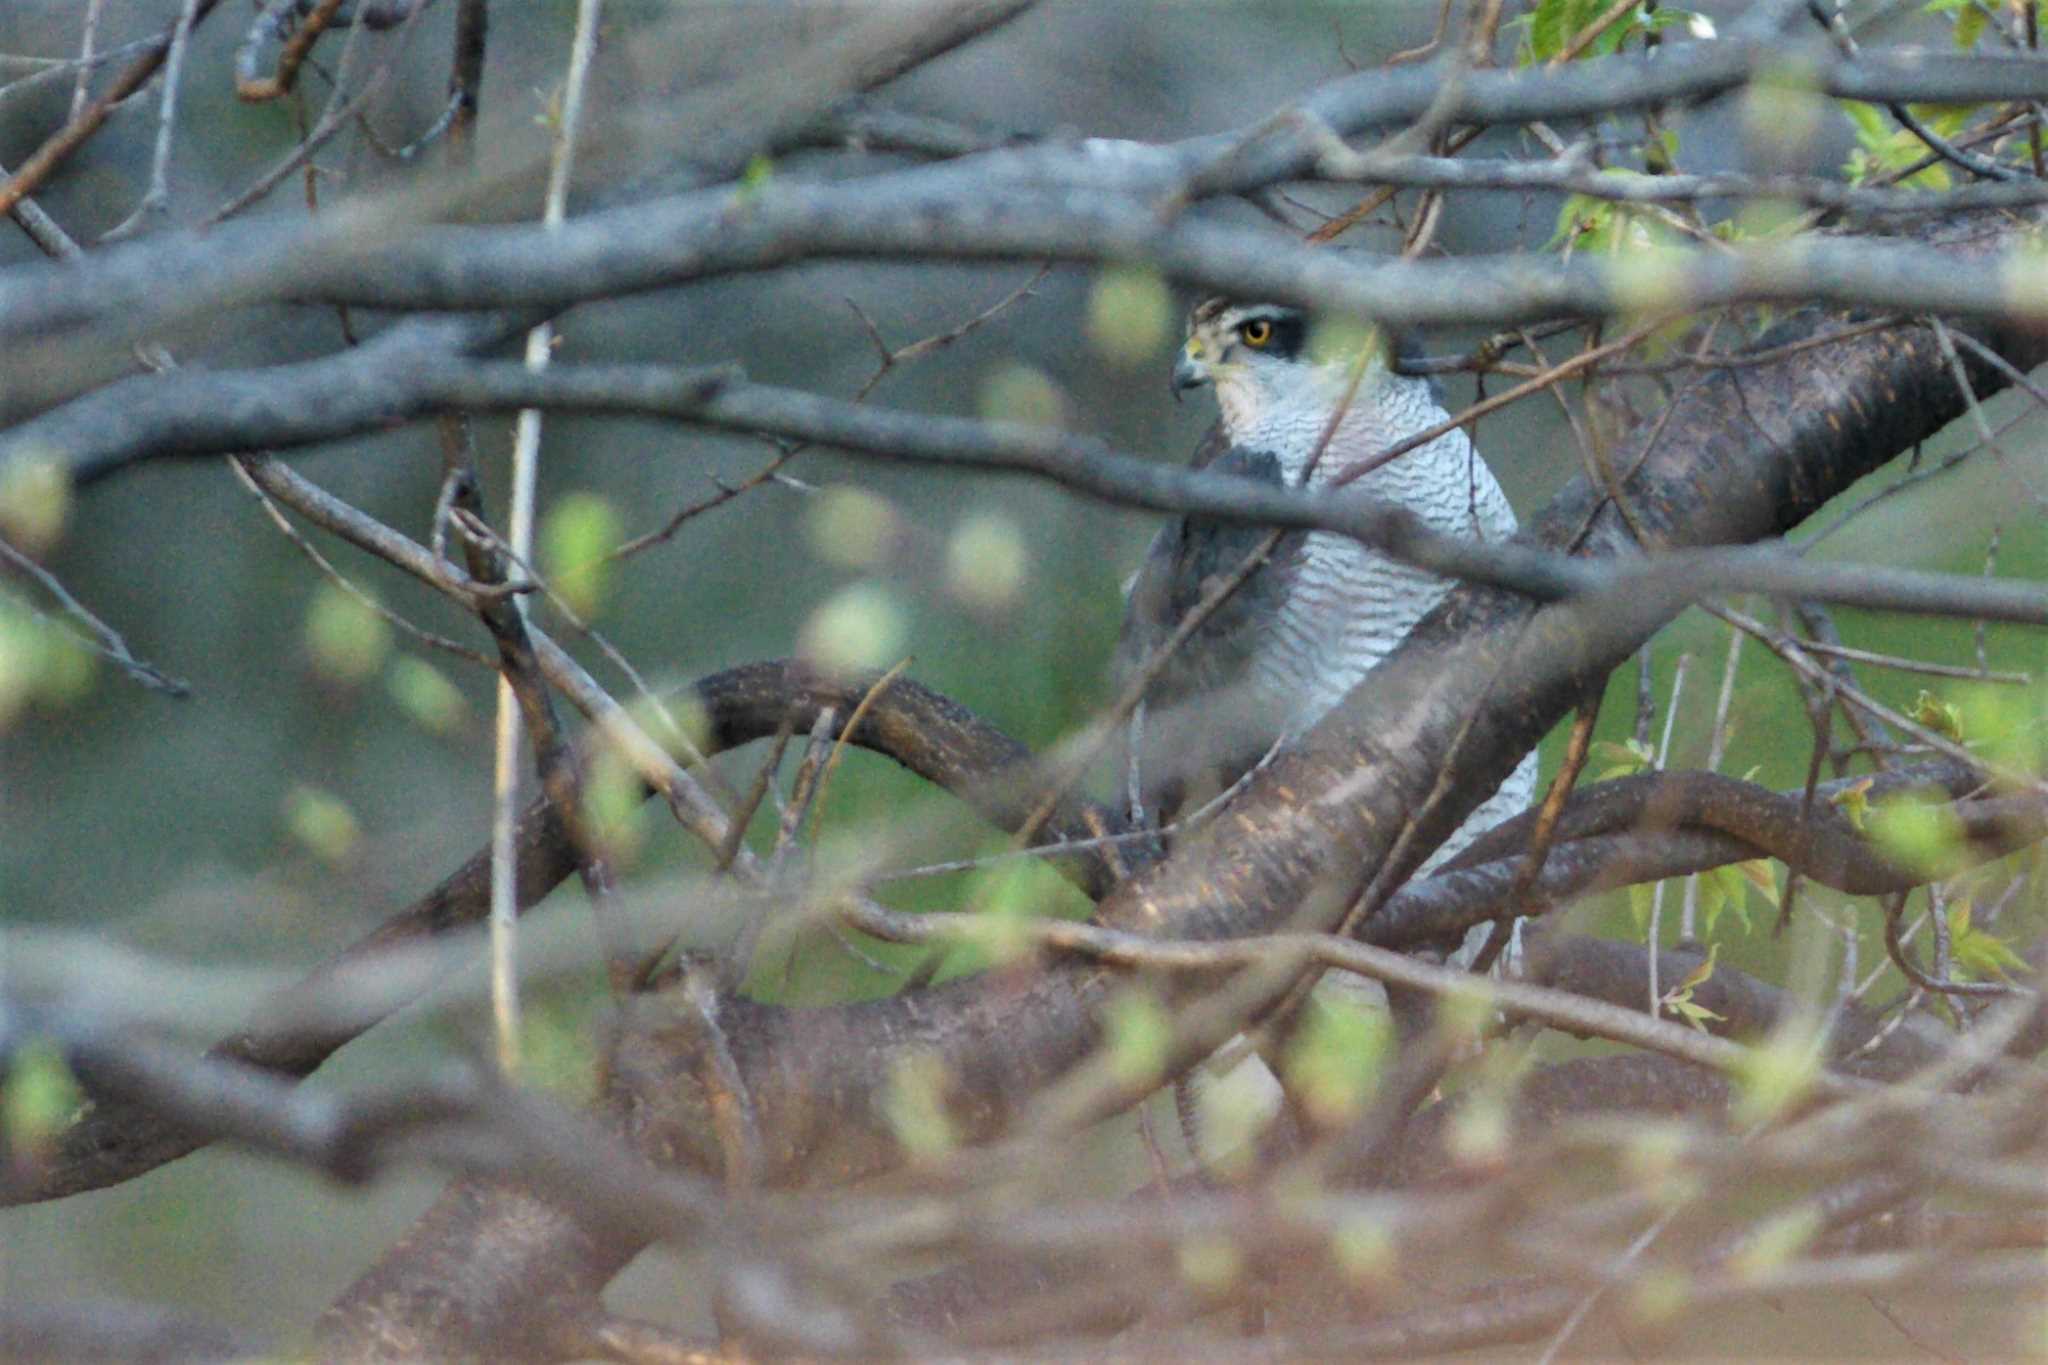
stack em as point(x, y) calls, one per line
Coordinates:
point(1194, 717)
point(1187, 557)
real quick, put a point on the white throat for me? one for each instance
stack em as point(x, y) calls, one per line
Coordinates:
point(1285, 413)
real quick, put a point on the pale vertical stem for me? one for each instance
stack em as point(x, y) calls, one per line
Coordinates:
point(1688, 917)
point(1657, 896)
point(156, 199)
point(525, 471)
point(505, 799)
point(86, 43)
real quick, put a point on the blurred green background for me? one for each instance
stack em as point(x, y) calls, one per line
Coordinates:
point(321, 776)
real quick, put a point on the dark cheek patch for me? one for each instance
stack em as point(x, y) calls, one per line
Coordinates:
point(1289, 332)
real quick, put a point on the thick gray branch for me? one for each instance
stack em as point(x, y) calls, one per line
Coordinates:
point(406, 375)
point(1095, 201)
point(1741, 457)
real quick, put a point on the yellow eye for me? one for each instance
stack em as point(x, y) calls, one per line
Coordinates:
point(1257, 332)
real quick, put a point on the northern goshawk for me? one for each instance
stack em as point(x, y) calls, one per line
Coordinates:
point(1306, 627)
point(1319, 612)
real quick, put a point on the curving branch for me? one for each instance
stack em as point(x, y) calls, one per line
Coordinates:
point(1096, 201)
point(712, 1103)
point(1365, 796)
point(1648, 828)
point(348, 259)
point(409, 373)
point(299, 1028)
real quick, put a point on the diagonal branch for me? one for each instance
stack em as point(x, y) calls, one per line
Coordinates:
point(1773, 444)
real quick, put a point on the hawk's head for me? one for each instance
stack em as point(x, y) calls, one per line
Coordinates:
point(1266, 358)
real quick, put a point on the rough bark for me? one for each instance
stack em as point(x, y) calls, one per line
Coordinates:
point(1743, 455)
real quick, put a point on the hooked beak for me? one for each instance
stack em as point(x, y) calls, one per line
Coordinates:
point(1188, 373)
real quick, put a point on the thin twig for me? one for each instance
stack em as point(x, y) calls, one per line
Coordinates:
point(803, 789)
point(525, 468)
point(764, 782)
point(105, 641)
point(343, 581)
point(1717, 745)
point(86, 63)
point(860, 711)
point(1657, 894)
point(157, 199)
point(58, 146)
point(725, 494)
point(1903, 665)
point(1577, 746)
point(311, 24)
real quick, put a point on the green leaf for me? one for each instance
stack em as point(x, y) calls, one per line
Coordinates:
point(1626, 759)
point(614, 805)
point(1671, 17)
point(1969, 28)
point(39, 662)
point(988, 560)
point(1556, 23)
point(1549, 28)
point(1854, 803)
point(1334, 1061)
point(1880, 147)
point(1130, 314)
point(2003, 724)
point(1678, 1000)
point(1734, 884)
point(556, 1052)
point(1918, 835)
point(1139, 1034)
point(1005, 894)
point(860, 627)
point(1015, 392)
point(347, 638)
point(1946, 119)
point(1231, 1112)
point(1978, 954)
point(1773, 1076)
point(1944, 718)
point(1693, 1013)
point(1777, 1241)
point(1759, 873)
point(426, 696)
point(576, 543)
point(40, 1099)
point(322, 823)
point(1589, 223)
point(35, 502)
point(1582, 216)
point(1871, 128)
point(914, 1105)
point(1713, 899)
point(851, 527)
